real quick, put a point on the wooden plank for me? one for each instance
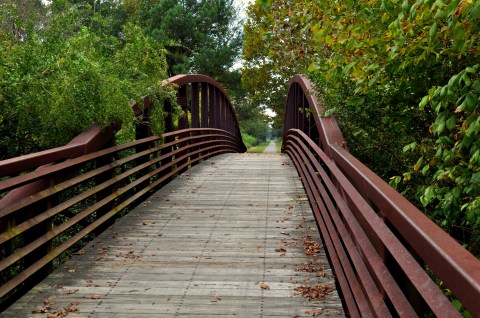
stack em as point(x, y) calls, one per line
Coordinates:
point(204, 245)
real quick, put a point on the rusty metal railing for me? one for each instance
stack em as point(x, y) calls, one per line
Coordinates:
point(383, 250)
point(55, 199)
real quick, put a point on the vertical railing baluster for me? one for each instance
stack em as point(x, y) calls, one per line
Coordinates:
point(195, 107)
point(195, 114)
point(205, 105)
point(143, 130)
point(217, 108)
point(169, 127)
point(182, 100)
point(211, 106)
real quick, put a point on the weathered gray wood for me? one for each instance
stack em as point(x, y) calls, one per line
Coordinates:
point(203, 245)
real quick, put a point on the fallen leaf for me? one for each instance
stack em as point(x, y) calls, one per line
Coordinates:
point(63, 311)
point(72, 270)
point(314, 312)
point(95, 296)
point(264, 286)
point(42, 309)
point(280, 250)
point(314, 292)
point(71, 291)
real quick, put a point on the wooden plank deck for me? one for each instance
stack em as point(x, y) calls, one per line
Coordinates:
point(226, 238)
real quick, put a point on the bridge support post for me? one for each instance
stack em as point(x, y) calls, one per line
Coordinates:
point(182, 100)
point(195, 114)
point(143, 130)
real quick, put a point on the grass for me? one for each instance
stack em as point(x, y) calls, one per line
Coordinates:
point(259, 148)
point(278, 145)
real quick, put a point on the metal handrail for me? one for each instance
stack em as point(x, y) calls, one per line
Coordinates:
point(363, 214)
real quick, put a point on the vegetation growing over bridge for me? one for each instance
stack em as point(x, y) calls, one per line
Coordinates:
point(403, 79)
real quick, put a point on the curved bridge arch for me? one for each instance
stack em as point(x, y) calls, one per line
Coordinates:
point(382, 248)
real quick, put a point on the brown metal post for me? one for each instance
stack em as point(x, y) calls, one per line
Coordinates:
point(195, 107)
point(101, 178)
point(142, 130)
point(205, 105)
point(169, 127)
point(182, 99)
point(195, 113)
point(211, 106)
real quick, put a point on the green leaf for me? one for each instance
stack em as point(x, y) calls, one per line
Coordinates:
point(439, 3)
point(433, 31)
point(470, 102)
point(425, 169)
point(418, 164)
point(452, 122)
point(457, 193)
point(410, 146)
point(424, 102)
point(457, 304)
point(475, 13)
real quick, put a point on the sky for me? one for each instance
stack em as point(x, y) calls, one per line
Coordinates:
point(242, 5)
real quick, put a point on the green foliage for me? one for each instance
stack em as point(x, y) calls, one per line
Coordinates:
point(384, 59)
point(255, 127)
point(249, 140)
point(399, 75)
point(201, 36)
point(260, 148)
point(448, 173)
point(58, 80)
point(276, 47)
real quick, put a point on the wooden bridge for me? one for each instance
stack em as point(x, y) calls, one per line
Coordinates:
point(212, 231)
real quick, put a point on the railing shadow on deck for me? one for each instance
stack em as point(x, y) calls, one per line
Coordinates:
point(59, 197)
point(382, 248)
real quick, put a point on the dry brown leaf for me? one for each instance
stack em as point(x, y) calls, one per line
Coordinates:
point(314, 312)
point(42, 309)
point(71, 291)
point(95, 296)
point(64, 311)
point(264, 286)
point(314, 292)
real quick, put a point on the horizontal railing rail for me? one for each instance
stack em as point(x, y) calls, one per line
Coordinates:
point(56, 200)
point(386, 253)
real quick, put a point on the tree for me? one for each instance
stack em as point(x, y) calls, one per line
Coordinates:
point(386, 58)
point(275, 48)
point(398, 76)
point(64, 77)
point(200, 35)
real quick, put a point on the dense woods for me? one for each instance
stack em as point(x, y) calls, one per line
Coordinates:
point(402, 77)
